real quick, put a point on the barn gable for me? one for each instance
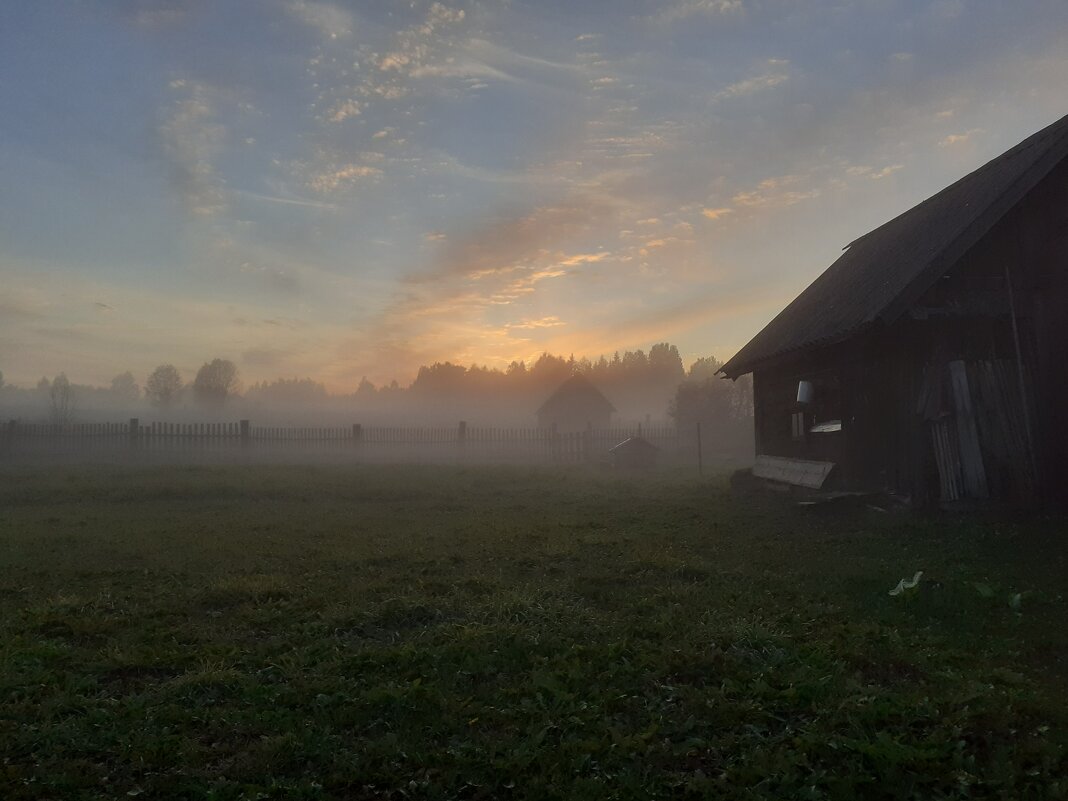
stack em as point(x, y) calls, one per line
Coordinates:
point(574, 404)
point(880, 274)
point(928, 359)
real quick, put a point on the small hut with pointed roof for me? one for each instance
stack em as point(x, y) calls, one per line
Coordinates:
point(928, 360)
point(575, 405)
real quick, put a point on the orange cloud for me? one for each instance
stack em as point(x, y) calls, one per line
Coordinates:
point(716, 214)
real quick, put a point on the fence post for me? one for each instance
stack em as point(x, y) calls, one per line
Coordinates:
point(587, 443)
point(461, 435)
point(135, 430)
point(700, 455)
point(10, 438)
point(357, 434)
point(246, 433)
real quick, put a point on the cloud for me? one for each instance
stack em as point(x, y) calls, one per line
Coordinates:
point(288, 201)
point(656, 325)
point(440, 14)
point(192, 138)
point(584, 258)
point(543, 322)
point(413, 45)
point(775, 193)
point(344, 110)
point(22, 302)
point(496, 270)
point(505, 243)
point(332, 21)
point(341, 177)
point(716, 214)
point(776, 75)
point(91, 347)
point(476, 61)
point(156, 15)
point(263, 357)
point(959, 139)
point(870, 172)
point(455, 67)
point(277, 279)
point(890, 169)
point(692, 8)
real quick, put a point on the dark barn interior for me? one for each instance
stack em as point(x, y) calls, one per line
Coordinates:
point(933, 347)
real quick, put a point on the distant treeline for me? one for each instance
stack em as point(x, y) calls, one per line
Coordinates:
point(642, 386)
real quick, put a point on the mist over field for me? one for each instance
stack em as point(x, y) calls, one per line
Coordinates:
point(640, 387)
point(477, 400)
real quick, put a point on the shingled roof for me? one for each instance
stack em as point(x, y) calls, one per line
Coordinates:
point(576, 390)
point(882, 272)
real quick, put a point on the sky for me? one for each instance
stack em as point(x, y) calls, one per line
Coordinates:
point(349, 189)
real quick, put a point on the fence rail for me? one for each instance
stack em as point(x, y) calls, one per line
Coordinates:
point(463, 442)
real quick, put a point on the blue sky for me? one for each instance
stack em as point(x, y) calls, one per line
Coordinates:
point(334, 189)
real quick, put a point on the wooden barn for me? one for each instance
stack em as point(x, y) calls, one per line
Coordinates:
point(575, 405)
point(928, 360)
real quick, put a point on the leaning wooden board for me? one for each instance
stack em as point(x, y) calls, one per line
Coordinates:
point(800, 472)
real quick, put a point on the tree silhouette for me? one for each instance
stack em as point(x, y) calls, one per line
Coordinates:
point(440, 378)
point(163, 385)
point(288, 390)
point(704, 368)
point(665, 364)
point(61, 400)
point(124, 388)
point(705, 397)
point(215, 382)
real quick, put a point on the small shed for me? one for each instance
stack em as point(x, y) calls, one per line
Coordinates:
point(928, 360)
point(634, 453)
point(575, 406)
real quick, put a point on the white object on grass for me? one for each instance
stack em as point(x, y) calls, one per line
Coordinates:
point(905, 584)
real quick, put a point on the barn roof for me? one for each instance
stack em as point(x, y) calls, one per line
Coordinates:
point(576, 390)
point(882, 272)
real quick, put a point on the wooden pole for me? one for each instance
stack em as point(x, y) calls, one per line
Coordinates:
point(700, 454)
point(1020, 365)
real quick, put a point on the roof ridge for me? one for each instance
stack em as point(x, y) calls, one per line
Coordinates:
point(881, 272)
point(1018, 149)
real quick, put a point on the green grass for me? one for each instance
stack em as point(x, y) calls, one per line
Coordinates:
point(406, 632)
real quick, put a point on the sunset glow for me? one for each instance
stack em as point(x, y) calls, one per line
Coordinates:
point(339, 190)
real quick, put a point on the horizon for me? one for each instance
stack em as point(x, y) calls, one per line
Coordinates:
point(575, 363)
point(336, 191)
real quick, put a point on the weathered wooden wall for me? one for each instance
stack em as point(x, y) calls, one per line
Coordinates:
point(1001, 315)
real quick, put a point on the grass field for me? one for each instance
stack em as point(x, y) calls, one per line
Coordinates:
point(418, 632)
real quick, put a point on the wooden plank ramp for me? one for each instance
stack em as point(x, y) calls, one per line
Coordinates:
point(799, 472)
